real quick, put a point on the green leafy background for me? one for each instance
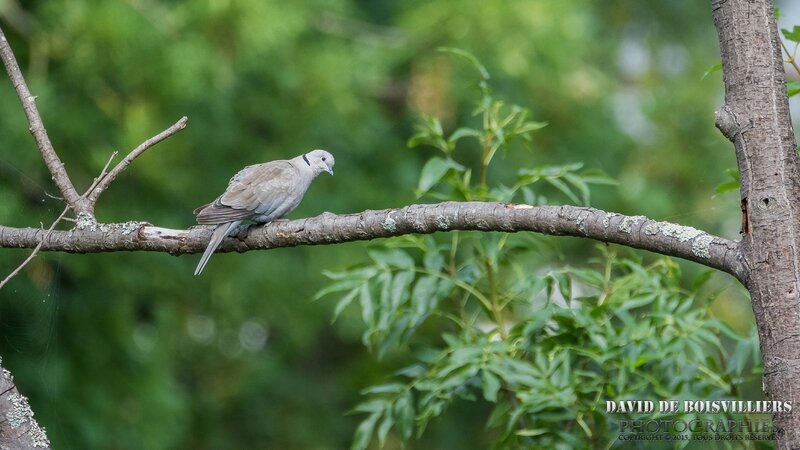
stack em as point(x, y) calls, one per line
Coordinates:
point(130, 351)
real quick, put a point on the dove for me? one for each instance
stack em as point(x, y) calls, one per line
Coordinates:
point(261, 193)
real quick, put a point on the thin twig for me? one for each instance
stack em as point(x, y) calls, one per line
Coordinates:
point(102, 175)
point(54, 164)
point(104, 182)
point(35, 250)
point(791, 57)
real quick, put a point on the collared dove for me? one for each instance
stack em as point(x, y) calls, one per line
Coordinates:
point(261, 193)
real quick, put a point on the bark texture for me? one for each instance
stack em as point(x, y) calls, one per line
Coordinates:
point(634, 231)
point(756, 119)
point(18, 428)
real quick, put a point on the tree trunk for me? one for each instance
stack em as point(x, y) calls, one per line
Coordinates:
point(756, 118)
point(18, 429)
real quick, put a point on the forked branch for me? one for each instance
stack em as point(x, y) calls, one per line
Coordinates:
point(103, 181)
point(82, 205)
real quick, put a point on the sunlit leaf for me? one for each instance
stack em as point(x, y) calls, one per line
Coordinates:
point(404, 415)
point(491, 385)
point(364, 431)
point(731, 185)
point(392, 258)
point(793, 88)
point(464, 132)
point(793, 34)
point(343, 303)
point(433, 171)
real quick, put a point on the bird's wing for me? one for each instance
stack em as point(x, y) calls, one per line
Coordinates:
point(257, 190)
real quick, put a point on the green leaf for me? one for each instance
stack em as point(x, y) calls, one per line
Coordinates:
point(561, 186)
point(362, 273)
point(548, 171)
point(731, 185)
point(529, 127)
point(715, 68)
point(530, 432)
point(389, 388)
point(597, 176)
point(399, 289)
point(433, 261)
point(412, 371)
point(590, 277)
point(421, 138)
point(433, 171)
point(392, 258)
point(537, 321)
point(404, 415)
point(370, 406)
point(464, 132)
point(423, 297)
point(793, 35)
point(580, 185)
point(367, 312)
point(338, 286)
point(469, 57)
point(491, 385)
point(364, 431)
point(344, 303)
point(793, 88)
point(429, 132)
point(383, 428)
point(562, 281)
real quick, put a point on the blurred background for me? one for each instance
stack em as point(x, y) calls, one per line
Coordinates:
point(130, 351)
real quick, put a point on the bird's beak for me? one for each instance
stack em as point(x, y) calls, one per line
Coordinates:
point(329, 169)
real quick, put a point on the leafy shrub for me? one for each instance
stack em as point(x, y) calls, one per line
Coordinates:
point(546, 347)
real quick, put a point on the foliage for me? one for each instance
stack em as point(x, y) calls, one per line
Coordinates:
point(502, 126)
point(793, 35)
point(544, 348)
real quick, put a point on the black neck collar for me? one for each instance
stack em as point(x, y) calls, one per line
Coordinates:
point(306, 160)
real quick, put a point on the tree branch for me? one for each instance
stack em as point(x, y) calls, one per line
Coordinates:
point(51, 159)
point(35, 249)
point(82, 205)
point(18, 428)
point(634, 231)
point(104, 181)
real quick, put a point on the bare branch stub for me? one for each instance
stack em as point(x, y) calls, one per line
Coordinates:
point(51, 159)
point(103, 182)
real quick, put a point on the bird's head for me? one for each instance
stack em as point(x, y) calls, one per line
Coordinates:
point(319, 161)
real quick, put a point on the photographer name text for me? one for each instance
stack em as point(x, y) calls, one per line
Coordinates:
point(698, 406)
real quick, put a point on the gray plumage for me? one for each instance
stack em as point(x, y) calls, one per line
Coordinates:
point(261, 193)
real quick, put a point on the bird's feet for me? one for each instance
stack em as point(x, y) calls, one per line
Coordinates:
point(241, 231)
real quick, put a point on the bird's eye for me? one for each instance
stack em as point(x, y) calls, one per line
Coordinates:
point(323, 158)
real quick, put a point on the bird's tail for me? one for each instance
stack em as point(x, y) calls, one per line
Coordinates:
point(216, 239)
